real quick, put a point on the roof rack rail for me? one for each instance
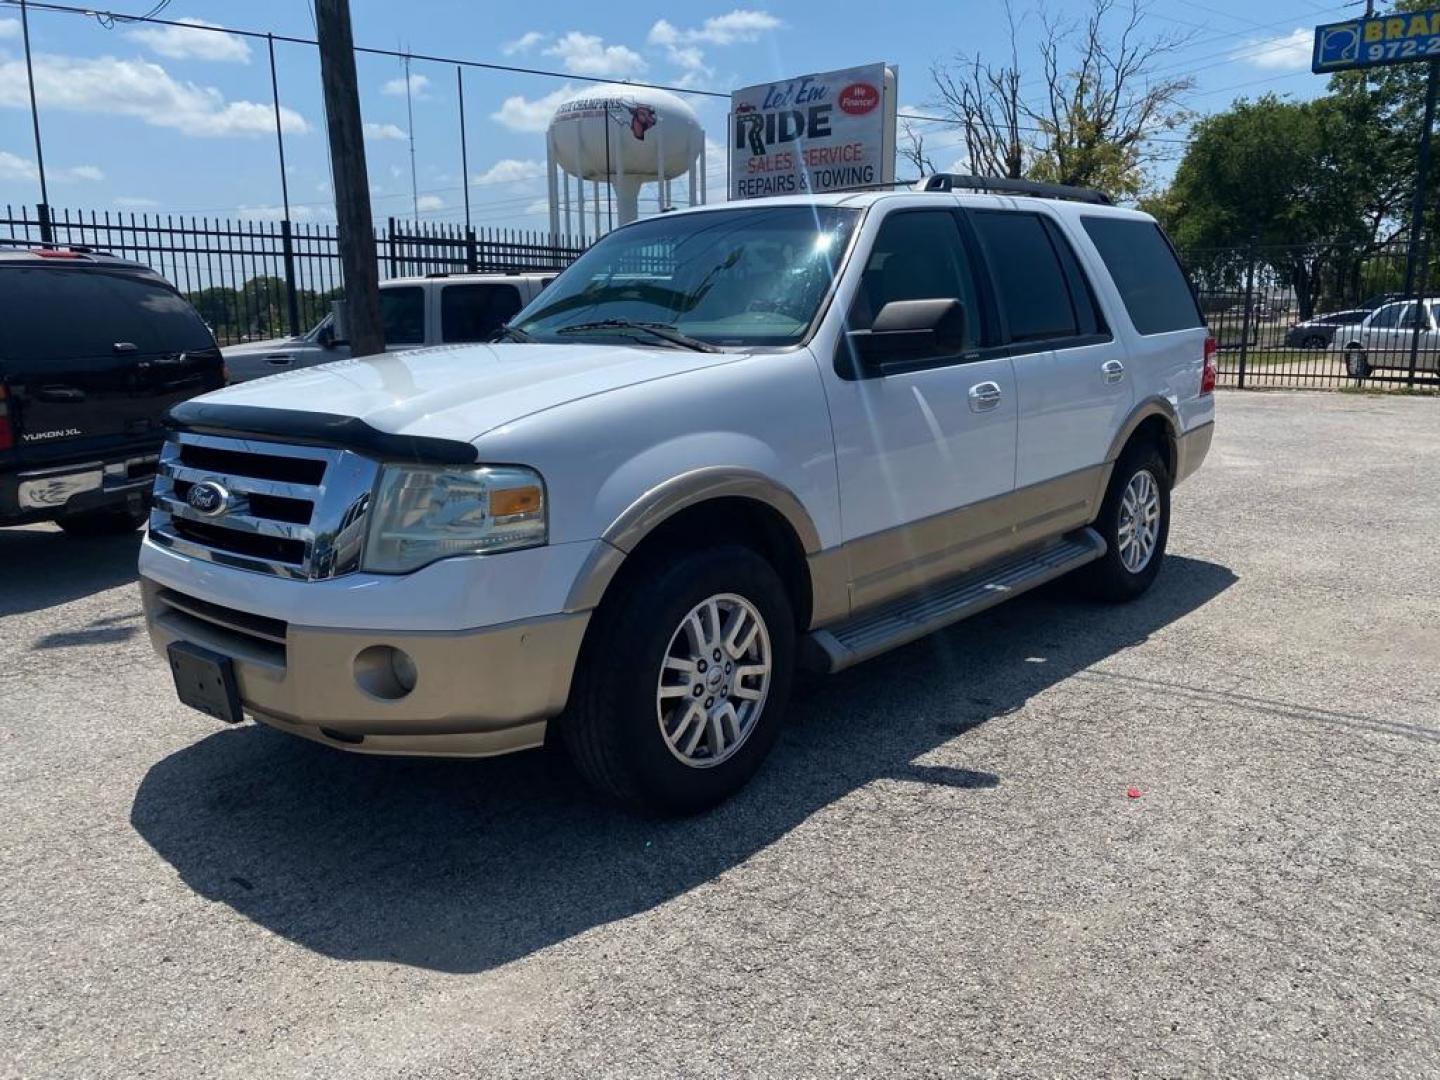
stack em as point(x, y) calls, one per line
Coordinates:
point(999, 185)
point(39, 245)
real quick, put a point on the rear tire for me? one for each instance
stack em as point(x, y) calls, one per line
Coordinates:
point(1134, 521)
point(108, 522)
point(655, 721)
point(1357, 365)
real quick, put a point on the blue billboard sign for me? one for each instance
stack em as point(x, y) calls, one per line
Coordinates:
point(1373, 42)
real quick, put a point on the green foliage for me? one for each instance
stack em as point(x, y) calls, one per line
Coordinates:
point(258, 309)
point(1312, 184)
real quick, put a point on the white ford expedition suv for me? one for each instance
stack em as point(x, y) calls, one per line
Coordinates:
point(725, 442)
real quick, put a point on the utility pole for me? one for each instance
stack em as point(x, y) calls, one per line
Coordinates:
point(35, 119)
point(354, 230)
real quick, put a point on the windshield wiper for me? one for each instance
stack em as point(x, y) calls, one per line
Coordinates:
point(512, 333)
point(663, 331)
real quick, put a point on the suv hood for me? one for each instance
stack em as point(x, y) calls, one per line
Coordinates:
point(456, 392)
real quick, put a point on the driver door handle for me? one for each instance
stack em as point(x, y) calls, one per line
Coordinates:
point(984, 396)
point(1114, 370)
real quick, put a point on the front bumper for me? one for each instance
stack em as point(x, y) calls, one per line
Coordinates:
point(479, 692)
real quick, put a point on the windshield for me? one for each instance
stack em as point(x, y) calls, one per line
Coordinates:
point(752, 276)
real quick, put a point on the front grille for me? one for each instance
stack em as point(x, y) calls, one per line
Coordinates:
point(291, 511)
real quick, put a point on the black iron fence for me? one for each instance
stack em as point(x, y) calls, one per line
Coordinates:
point(1298, 316)
point(252, 280)
point(1284, 316)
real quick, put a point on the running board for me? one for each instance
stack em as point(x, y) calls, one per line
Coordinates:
point(902, 621)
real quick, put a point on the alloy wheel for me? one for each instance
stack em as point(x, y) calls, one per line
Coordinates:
point(1139, 526)
point(714, 680)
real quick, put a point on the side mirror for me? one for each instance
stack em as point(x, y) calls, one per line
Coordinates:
point(906, 332)
point(339, 322)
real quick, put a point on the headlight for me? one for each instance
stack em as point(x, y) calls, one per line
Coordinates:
point(421, 514)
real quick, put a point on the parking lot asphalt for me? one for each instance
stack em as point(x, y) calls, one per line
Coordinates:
point(938, 873)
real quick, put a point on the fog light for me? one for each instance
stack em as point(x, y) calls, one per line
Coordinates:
point(385, 672)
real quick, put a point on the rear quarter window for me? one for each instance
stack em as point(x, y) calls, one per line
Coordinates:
point(1146, 272)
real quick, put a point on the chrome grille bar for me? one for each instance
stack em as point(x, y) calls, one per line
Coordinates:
point(259, 527)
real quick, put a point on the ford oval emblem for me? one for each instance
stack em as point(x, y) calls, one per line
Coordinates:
point(209, 498)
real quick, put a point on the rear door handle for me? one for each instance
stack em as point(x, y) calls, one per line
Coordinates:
point(1114, 370)
point(984, 396)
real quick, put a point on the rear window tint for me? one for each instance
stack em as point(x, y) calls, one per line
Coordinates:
point(53, 313)
point(475, 312)
point(1034, 294)
point(1147, 274)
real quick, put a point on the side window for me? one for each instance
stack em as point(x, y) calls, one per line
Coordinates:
point(1409, 317)
point(1387, 318)
point(402, 314)
point(1146, 272)
point(475, 312)
point(1033, 291)
point(918, 255)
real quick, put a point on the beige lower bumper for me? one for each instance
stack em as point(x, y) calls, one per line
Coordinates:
point(478, 692)
point(1191, 448)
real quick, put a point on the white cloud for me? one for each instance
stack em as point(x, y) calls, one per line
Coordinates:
point(179, 43)
point(135, 202)
point(277, 213)
point(681, 44)
point(587, 54)
point(142, 90)
point(377, 132)
point(426, 203)
point(539, 206)
point(520, 114)
point(509, 171)
point(1282, 53)
point(396, 87)
point(524, 43)
point(9, 28)
point(15, 167)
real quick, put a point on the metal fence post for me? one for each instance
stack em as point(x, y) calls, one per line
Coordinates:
point(292, 297)
point(1248, 314)
point(472, 255)
point(390, 245)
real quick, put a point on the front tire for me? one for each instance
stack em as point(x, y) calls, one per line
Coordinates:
point(683, 682)
point(1135, 524)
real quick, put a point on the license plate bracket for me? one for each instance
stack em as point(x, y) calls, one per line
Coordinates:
point(205, 680)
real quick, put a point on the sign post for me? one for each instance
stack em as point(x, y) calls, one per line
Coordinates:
point(1378, 41)
point(831, 131)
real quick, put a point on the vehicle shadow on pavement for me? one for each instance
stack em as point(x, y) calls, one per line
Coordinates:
point(461, 866)
point(43, 568)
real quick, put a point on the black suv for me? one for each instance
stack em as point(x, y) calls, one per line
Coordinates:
point(93, 351)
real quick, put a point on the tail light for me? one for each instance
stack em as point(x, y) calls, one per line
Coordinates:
point(7, 432)
point(1207, 378)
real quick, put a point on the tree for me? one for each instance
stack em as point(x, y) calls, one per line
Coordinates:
point(1312, 184)
point(1102, 99)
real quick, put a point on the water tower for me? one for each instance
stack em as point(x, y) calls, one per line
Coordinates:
point(623, 136)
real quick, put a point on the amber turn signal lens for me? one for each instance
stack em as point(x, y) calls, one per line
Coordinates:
point(523, 500)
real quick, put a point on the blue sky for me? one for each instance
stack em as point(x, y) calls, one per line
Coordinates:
point(150, 119)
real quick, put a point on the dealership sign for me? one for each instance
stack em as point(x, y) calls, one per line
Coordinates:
point(827, 132)
point(1372, 42)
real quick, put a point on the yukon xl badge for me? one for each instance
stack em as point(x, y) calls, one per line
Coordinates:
point(209, 498)
point(40, 436)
